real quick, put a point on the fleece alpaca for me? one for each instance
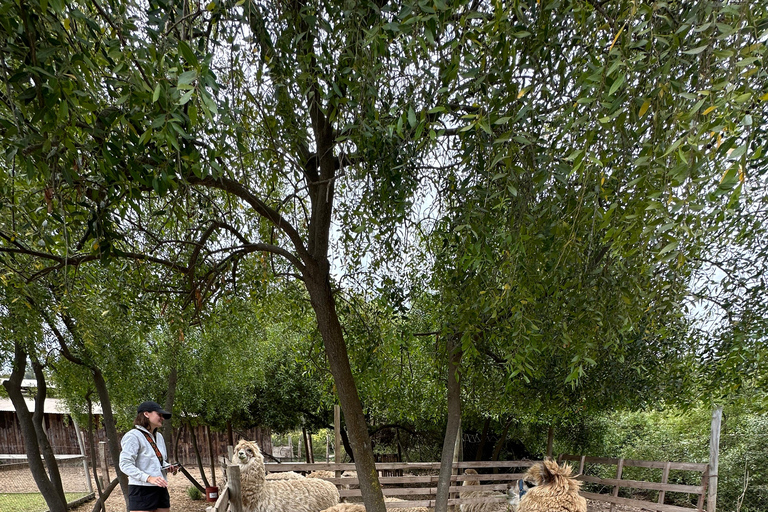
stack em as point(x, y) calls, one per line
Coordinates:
point(294, 495)
point(556, 490)
point(481, 507)
point(284, 475)
point(359, 507)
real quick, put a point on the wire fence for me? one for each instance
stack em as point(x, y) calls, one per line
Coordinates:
point(19, 492)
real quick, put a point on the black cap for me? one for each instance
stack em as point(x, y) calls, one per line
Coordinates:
point(154, 406)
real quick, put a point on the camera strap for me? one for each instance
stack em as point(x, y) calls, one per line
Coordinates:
point(153, 445)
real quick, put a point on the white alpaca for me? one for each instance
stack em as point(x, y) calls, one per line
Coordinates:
point(359, 507)
point(262, 495)
point(284, 475)
point(481, 507)
point(321, 473)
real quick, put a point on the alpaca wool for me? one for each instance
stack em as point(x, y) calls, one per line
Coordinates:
point(556, 490)
point(481, 507)
point(359, 507)
point(293, 495)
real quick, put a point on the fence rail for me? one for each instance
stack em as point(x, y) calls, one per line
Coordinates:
point(416, 482)
point(662, 487)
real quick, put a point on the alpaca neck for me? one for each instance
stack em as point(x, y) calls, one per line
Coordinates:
point(252, 483)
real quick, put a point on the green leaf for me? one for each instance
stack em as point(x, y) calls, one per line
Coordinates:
point(670, 246)
point(616, 84)
point(188, 54)
point(184, 99)
point(738, 152)
point(156, 94)
point(696, 51)
point(187, 77)
point(411, 117)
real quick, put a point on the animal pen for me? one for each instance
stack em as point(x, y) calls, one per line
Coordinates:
point(416, 482)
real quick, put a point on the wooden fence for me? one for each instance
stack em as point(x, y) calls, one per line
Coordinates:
point(417, 482)
point(663, 487)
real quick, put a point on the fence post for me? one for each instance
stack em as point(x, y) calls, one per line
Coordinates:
point(664, 480)
point(337, 434)
point(103, 463)
point(619, 471)
point(581, 464)
point(233, 485)
point(714, 455)
point(704, 483)
point(80, 442)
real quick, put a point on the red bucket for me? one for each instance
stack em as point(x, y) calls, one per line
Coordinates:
point(211, 493)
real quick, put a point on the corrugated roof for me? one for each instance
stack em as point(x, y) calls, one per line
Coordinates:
point(51, 406)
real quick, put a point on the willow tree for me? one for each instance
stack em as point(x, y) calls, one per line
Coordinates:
point(198, 138)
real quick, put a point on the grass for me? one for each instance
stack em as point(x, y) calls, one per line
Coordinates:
point(31, 501)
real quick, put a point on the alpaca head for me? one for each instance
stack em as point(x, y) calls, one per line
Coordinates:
point(516, 492)
point(473, 481)
point(548, 472)
point(248, 456)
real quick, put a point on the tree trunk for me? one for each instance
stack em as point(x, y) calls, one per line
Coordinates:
point(347, 446)
point(55, 501)
point(92, 448)
point(100, 502)
point(550, 440)
point(306, 444)
point(502, 440)
point(452, 427)
point(197, 454)
point(319, 288)
point(173, 378)
point(109, 426)
point(212, 455)
point(37, 420)
point(483, 439)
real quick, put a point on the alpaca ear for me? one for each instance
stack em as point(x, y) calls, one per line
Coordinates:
point(547, 474)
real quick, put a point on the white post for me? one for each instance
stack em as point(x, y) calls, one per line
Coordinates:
point(714, 455)
point(80, 442)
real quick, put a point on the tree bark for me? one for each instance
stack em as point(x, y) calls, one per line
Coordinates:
point(502, 440)
point(319, 288)
point(483, 439)
point(37, 420)
point(109, 426)
point(173, 379)
point(306, 444)
point(550, 440)
point(54, 500)
point(197, 454)
point(100, 502)
point(454, 421)
point(92, 448)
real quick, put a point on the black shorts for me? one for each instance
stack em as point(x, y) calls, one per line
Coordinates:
point(145, 497)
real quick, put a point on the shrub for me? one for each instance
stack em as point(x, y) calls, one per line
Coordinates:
point(194, 493)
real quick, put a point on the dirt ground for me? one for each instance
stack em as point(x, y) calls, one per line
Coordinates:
point(177, 487)
point(74, 481)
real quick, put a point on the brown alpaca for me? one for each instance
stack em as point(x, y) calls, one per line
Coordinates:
point(260, 494)
point(555, 489)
